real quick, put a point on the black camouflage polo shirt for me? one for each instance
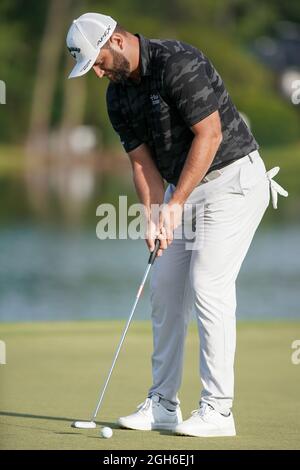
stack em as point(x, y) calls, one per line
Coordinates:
point(179, 87)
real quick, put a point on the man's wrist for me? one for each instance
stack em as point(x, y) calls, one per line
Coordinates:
point(177, 199)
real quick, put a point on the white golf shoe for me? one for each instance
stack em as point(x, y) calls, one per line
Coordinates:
point(151, 415)
point(207, 422)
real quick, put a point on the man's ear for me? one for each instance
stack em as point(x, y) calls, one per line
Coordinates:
point(117, 40)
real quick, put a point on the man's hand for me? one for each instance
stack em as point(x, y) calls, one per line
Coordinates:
point(169, 218)
point(151, 234)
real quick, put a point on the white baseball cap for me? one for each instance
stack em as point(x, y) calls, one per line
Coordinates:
point(85, 38)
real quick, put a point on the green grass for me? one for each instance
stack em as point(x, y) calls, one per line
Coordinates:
point(54, 372)
point(12, 160)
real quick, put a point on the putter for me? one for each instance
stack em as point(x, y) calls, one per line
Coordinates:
point(91, 424)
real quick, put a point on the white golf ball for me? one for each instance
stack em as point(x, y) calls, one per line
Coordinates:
point(106, 432)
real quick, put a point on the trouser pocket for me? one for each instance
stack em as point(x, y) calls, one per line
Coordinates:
point(251, 174)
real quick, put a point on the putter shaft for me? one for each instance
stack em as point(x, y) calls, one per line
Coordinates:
point(150, 263)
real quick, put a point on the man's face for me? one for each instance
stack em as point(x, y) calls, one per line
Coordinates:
point(112, 64)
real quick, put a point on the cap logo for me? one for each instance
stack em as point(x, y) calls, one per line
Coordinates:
point(86, 65)
point(106, 32)
point(73, 50)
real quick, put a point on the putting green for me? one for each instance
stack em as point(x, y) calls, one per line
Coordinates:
point(55, 371)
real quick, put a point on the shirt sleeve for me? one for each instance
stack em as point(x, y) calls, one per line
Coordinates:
point(126, 133)
point(189, 87)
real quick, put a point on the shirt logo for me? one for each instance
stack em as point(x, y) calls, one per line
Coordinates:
point(154, 99)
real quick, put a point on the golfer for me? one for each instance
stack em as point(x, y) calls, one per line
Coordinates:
point(179, 125)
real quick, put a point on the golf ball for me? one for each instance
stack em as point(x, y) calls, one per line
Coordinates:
point(106, 432)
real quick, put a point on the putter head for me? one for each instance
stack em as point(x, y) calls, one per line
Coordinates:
point(83, 424)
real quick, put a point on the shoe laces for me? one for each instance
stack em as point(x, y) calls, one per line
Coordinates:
point(203, 410)
point(144, 406)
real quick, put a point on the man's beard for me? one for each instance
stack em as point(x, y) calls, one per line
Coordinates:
point(120, 71)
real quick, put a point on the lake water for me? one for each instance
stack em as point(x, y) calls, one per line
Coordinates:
point(48, 274)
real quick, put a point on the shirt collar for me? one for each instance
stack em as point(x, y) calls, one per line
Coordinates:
point(145, 55)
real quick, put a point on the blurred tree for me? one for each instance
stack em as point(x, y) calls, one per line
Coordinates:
point(49, 54)
point(73, 110)
point(32, 38)
point(21, 23)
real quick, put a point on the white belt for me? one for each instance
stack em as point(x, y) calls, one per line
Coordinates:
point(215, 173)
point(275, 187)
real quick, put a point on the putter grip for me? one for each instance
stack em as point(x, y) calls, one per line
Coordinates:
point(154, 252)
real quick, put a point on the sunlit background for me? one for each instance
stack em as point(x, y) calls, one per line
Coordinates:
point(60, 159)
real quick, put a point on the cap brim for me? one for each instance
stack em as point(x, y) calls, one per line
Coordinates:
point(81, 68)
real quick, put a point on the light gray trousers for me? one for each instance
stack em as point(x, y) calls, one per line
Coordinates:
point(201, 277)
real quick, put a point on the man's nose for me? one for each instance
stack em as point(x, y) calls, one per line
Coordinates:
point(100, 73)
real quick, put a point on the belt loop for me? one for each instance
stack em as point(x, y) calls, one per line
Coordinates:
point(250, 157)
